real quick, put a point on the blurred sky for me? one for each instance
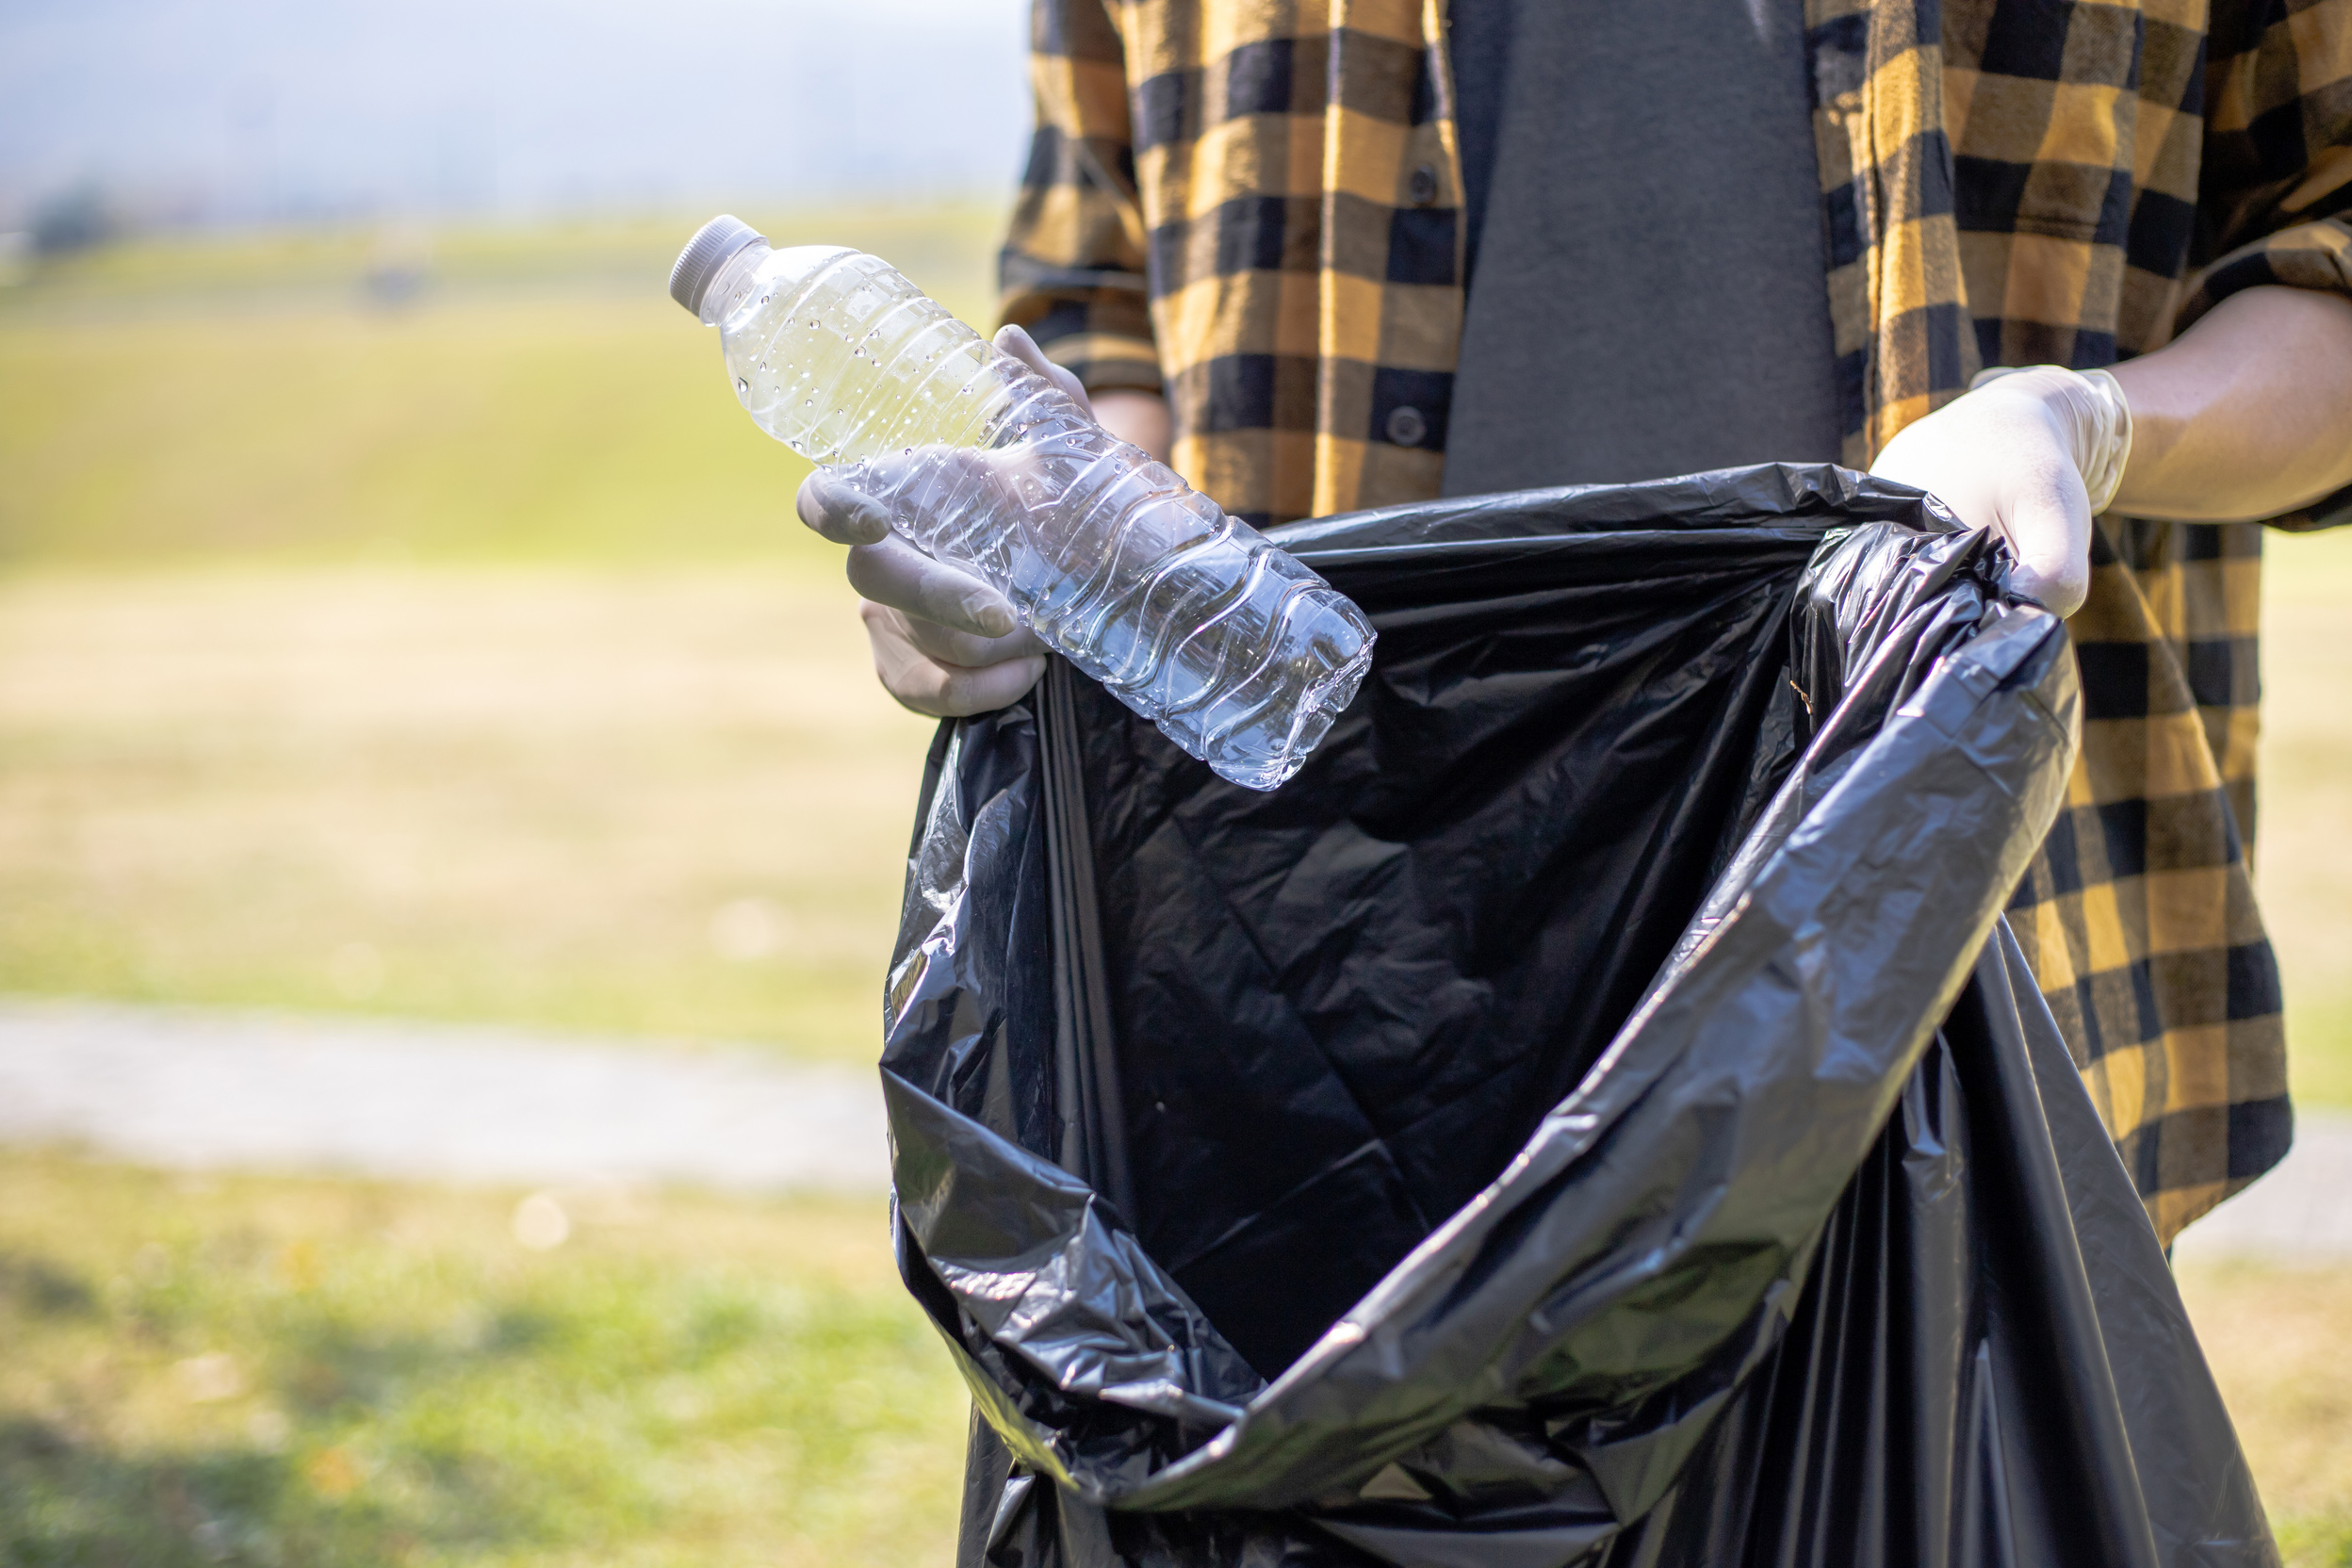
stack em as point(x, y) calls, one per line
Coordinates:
point(269, 110)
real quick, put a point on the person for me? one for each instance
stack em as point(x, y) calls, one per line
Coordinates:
point(1340, 256)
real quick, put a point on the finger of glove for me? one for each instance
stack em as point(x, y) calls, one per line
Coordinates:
point(943, 690)
point(896, 574)
point(946, 692)
point(2047, 524)
point(949, 645)
point(840, 511)
point(1018, 343)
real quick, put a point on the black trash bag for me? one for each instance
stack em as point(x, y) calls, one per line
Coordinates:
point(1592, 1114)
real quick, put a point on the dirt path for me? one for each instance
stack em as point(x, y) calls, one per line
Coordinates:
point(283, 1092)
point(277, 1092)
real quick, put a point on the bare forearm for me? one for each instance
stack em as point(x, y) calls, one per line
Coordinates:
point(1139, 418)
point(2248, 413)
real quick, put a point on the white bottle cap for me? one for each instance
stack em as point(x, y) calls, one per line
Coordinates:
point(714, 244)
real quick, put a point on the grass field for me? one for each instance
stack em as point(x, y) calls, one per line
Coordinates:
point(636, 777)
point(2276, 1338)
point(663, 800)
point(542, 397)
point(352, 1375)
point(665, 803)
point(462, 659)
point(2303, 855)
point(311, 1374)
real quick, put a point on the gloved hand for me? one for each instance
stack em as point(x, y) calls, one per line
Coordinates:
point(2035, 454)
point(945, 644)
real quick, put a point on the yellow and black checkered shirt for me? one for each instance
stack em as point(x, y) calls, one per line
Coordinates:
point(1253, 205)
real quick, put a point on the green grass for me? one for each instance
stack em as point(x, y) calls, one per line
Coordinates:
point(543, 399)
point(2303, 858)
point(260, 744)
point(465, 660)
point(239, 400)
point(948, 247)
point(528, 794)
point(2274, 1337)
point(326, 1373)
point(654, 803)
point(342, 1374)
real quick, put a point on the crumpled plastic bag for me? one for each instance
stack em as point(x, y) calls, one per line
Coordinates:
point(1593, 1113)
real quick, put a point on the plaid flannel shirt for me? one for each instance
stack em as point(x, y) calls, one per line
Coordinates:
point(1253, 205)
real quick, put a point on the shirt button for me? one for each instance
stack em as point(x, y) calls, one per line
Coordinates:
point(1423, 185)
point(1406, 426)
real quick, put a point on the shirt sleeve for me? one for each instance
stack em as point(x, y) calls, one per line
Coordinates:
point(1072, 270)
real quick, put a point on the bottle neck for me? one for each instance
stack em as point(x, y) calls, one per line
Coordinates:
point(733, 284)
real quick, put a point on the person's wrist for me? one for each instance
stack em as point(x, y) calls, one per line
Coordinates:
point(1138, 417)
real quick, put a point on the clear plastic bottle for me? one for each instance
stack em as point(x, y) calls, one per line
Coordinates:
point(1242, 656)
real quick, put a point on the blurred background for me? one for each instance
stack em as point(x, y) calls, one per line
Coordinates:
point(410, 668)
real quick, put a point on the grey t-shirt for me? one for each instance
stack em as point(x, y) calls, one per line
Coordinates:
point(1647, 291)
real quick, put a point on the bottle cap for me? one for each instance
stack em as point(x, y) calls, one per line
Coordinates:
point(704, 254)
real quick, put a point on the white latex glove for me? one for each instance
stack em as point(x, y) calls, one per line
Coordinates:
point(945, 644)
point(2033, 453)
